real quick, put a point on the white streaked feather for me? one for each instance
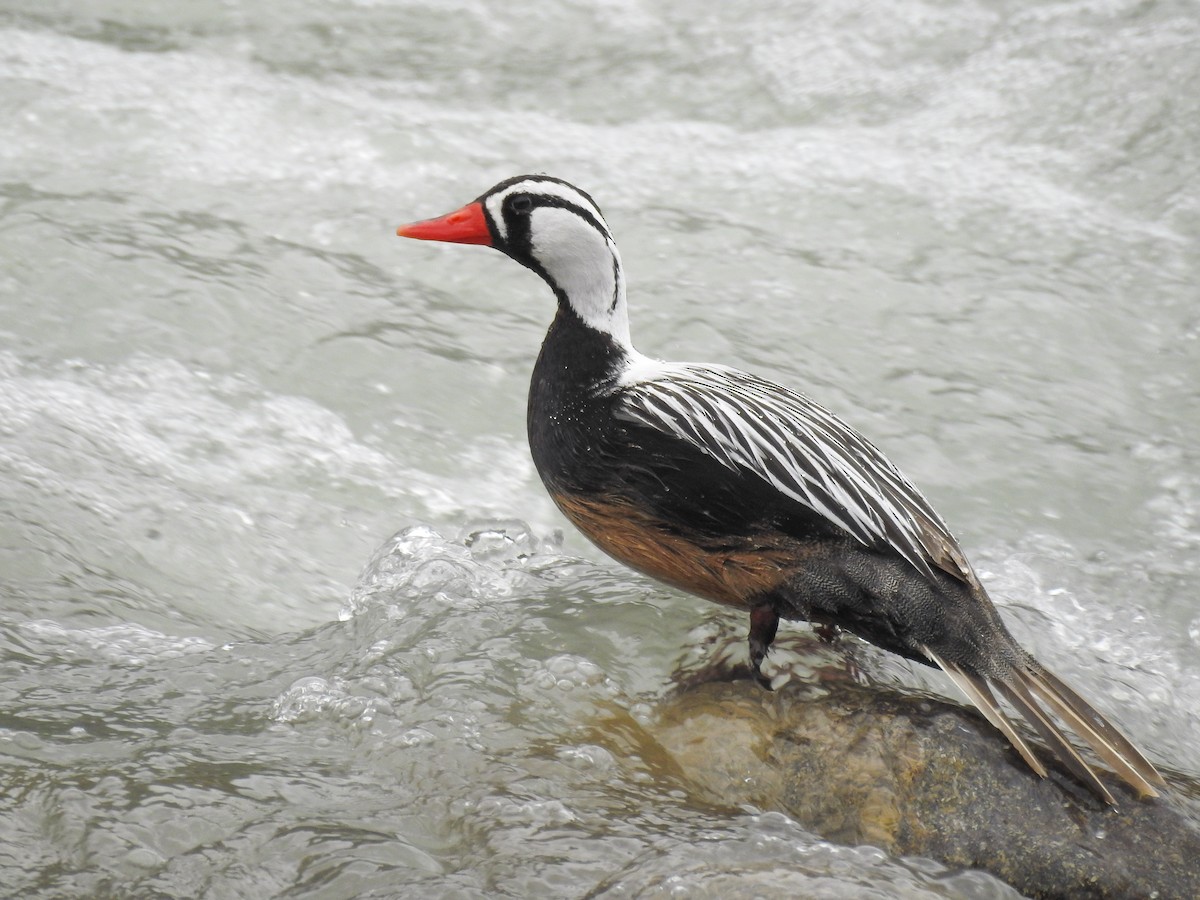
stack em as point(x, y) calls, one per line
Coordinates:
point(798, 447)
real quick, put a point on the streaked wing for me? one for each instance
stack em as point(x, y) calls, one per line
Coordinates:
point(805, 451)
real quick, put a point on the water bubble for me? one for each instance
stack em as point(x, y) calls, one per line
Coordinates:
point(498, 539)
point(567, 672)
point(313, 698)
point(588, 756)
point(415, 737)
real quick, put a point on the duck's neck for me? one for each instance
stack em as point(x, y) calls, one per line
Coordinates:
point(586, 276)
point(570, 399)
point(578, 360)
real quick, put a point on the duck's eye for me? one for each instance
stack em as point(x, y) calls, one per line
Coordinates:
point(522, 203)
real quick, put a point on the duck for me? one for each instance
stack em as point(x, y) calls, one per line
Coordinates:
point(747, 493)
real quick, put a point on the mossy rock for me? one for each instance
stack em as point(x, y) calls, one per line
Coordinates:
point(921, 776)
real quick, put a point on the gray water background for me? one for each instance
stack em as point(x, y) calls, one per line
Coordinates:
point(972, 229)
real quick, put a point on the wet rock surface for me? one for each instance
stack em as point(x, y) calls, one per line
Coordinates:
point(921, 776)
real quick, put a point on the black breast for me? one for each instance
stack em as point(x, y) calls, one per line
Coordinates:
point(569, 417)
point(581, 449)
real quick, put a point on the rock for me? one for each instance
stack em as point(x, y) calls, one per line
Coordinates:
point(925, 777)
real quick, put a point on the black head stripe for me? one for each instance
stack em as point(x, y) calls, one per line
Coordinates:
point(552, 199)
point(583, 212)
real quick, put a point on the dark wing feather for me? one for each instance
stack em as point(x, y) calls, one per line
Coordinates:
point(803, 450)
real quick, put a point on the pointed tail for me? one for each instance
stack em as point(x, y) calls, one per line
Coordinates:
point(1030, 690)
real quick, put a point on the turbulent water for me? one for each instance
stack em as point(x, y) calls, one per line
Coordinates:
point(972, 229)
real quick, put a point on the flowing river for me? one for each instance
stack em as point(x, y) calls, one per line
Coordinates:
point(284, 609)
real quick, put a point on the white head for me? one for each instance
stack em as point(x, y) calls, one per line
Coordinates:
point(555, 229)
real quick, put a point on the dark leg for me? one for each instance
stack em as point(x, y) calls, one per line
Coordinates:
point(764, 621)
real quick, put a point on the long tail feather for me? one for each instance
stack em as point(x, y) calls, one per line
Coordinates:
point(1031, 683)
point(978, 693)
point(1110, 745)
point(1020, 698)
